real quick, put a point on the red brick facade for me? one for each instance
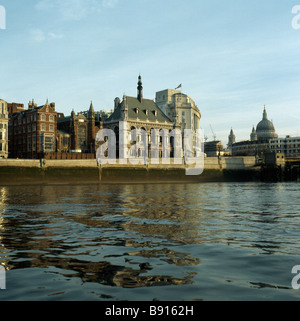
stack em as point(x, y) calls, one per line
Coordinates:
point(15, 108)
point(33, 132)
point(79, 131)
point(41, 132)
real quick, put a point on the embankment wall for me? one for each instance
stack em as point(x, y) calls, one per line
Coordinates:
point(17, 171)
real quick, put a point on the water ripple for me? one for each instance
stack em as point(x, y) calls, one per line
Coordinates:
point(212, 241)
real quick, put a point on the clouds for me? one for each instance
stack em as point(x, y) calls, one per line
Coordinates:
point(74, 10)
point(232, 57)
point(109, 3)
point(38, 35)
point(66, 11)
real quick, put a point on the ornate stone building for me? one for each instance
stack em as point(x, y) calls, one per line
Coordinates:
point(181, 109)
point(231, 141)
point(142, 116)
point(3, 129)
point(259, 139)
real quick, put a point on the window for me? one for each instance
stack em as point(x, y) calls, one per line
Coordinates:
point(34, 142)
point(47, 143)
point(51, 118)
point(51, 128)
point(43, 127)
point(29, 144)
point(43, 117)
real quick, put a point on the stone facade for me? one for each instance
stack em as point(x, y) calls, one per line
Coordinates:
point(289, 146)
point(213, 148)
point(140, 115)
point(180, 108)
point(260, 138)
point(3, 129)
point(231, 141)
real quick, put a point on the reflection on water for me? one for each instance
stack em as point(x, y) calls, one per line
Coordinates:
point(148, 236)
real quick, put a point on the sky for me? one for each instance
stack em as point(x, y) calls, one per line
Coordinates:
point(232, 57)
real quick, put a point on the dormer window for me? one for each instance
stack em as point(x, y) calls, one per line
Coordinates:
point(137, 111)
point(155, 113)
point(146, 112)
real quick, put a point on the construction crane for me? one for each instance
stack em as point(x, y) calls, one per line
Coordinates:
point(214, 135)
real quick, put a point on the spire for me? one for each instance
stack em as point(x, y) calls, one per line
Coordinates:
point(91, 113)
point(231, 139)
point(253, 135)
point(140, 89)
point(265, 115)
point(92, 107)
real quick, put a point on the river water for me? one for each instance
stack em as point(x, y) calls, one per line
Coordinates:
point(211, 241)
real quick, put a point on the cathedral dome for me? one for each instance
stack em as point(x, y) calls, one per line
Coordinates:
point(265, 125)
point(265, 129)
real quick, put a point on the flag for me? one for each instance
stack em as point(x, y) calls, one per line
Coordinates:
point(179, 86)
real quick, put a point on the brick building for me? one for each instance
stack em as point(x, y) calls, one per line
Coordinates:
point(77, 133)
point(15, 108)
point(32, 132)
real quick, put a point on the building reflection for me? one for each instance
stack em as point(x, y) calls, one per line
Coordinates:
point(3, 206)
point(74, 229)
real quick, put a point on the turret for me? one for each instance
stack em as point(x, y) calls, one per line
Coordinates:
point(253, 136)
point(140, 89)
point(91, 113)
